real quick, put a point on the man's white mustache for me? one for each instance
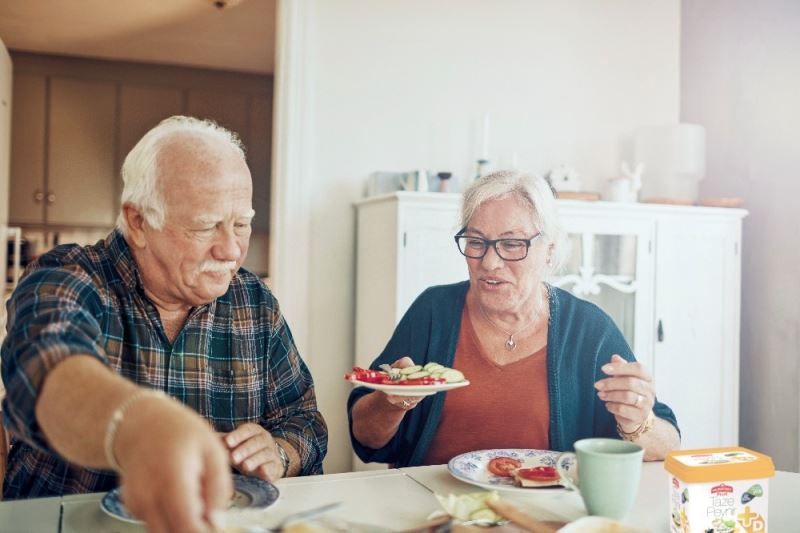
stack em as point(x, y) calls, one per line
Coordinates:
point(217, 266)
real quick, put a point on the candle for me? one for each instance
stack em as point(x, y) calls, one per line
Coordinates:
point(485, 140)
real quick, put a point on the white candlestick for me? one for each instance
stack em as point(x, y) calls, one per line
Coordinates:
point(485, 141)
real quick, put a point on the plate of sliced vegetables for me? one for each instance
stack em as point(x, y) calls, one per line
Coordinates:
point(416, 380)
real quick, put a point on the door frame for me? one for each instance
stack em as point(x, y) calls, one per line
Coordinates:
point(292, 167)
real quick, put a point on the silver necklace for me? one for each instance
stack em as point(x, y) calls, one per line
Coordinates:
point(510, 343)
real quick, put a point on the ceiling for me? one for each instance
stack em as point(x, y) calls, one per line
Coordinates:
point(194, 33)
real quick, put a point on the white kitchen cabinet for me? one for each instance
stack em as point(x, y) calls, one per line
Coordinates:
point(668, 275)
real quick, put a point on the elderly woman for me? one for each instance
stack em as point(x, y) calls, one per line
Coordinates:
point(545, 368)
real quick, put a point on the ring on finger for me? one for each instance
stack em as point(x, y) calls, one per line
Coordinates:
point(406, 404)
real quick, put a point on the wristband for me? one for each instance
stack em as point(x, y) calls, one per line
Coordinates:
point(284, 458)
point(116, 419)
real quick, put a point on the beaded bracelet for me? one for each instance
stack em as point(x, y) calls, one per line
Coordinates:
point(116, 419)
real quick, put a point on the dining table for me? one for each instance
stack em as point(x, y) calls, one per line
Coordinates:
point(393, 499)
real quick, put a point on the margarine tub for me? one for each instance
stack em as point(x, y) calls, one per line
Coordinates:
point(718, 490)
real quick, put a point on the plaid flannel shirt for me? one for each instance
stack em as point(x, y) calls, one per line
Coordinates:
point(233, 362)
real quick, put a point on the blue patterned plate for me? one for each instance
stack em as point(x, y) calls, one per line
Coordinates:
point(249, 493)
point(471, 467)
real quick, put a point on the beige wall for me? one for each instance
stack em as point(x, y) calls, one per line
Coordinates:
point(740, 77)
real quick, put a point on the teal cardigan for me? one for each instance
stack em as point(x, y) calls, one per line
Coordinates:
point(581, 338)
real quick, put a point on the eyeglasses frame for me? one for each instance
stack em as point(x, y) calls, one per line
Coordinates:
point(493, 244)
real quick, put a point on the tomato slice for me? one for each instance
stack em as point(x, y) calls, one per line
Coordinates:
point(539, 473)
point(367, 376)
point(503, 466)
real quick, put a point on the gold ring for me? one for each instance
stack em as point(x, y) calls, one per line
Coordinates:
point(406, 404)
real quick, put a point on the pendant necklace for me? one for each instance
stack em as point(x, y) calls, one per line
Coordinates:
point(510, 343)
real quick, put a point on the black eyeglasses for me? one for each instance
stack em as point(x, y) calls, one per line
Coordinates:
point(507, 249)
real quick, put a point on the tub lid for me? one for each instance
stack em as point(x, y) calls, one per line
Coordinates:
point(718, 464)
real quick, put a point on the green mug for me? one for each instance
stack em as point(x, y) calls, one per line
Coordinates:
point(608, 475)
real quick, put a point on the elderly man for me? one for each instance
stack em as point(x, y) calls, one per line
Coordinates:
point(98, 334)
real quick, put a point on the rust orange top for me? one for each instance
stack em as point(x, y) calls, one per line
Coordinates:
point(718, 464)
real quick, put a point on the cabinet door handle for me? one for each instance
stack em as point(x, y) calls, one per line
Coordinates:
point(660, 331)
point(51, 197)
point(38, 196)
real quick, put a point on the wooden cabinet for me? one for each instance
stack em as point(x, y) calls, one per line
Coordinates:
point(63, 155)
point(141, 108)
point(81, 143)
point(26, 184)
point(669, 276)
point(75, 120)
point(697, 320)
point(259, 158)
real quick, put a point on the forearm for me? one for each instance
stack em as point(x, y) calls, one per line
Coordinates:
point(660, 440)
point(85, 392)
point(299, 426)
point(375, 420)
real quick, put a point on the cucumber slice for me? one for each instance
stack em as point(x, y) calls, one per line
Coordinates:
point(431, 367)
point(452, 375)
point(416, 375)
point(486, 515)
point(410, 370)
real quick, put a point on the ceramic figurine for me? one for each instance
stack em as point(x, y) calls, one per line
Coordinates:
point(625, 188)
point(564, 179)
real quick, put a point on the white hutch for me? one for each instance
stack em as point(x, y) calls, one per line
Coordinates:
point(668, 275)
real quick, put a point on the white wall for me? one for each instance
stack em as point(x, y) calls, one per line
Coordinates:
point(740, 78)
point(398, 85)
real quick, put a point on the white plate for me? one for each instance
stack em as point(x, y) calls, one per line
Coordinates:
point(411, 390)
point(250, 493)
point(471, 467)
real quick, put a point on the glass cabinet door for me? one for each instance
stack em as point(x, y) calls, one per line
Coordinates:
point(610, 264)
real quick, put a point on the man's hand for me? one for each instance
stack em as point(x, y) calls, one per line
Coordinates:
point(254, 452)
point(175, 471)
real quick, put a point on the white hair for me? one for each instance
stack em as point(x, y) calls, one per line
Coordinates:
point(533, 192)
point(141, 167)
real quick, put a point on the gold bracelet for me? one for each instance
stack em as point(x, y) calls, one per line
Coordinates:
point(643, 428)
point(116, 419)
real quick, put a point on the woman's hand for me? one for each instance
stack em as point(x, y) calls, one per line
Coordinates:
point(377, 416)
point(406, 403)
point(629, 392)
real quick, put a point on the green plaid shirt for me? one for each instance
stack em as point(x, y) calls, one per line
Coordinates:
point(233, 362)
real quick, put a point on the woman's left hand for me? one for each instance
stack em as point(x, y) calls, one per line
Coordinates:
point(629, 392)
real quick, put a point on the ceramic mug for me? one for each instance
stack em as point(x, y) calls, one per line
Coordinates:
point(608, 475)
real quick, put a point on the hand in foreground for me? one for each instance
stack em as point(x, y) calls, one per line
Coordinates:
point(253, 452)
point(175, 470)
point(629, 393)
point(406, 403)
